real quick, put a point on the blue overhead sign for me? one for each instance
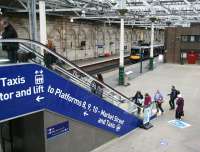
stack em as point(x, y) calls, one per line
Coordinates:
point(27, 88)
point(57, 129)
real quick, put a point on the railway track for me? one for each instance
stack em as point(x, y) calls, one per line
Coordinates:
point(107, 65)
point(104, 66)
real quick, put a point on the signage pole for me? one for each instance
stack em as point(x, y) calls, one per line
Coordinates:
point(141, 58)
point(151, 66)
point(121, 62)
point(43, 26)
point(32, 19)
point(122, 12)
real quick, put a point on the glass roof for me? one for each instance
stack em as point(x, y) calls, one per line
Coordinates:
point(135, 12)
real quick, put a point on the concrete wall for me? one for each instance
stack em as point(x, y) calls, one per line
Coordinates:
point(68, 36)
point(26, 133)
point(29, 134)
point(80, 138)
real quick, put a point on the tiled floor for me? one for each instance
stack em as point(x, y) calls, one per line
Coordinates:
point(164, 137)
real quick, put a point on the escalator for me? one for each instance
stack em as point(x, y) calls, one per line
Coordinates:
point(105, 108)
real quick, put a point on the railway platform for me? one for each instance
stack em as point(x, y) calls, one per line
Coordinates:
point(164, 136)
point(132, 71)
point(97, 60)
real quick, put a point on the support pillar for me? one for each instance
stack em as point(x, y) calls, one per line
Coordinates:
point(32, 20)
point(121, 58)
point(151, 60)
point(43, 26)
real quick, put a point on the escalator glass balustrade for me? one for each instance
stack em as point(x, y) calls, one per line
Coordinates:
point(36, 53)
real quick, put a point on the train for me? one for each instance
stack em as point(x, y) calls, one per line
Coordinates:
point(144, 51)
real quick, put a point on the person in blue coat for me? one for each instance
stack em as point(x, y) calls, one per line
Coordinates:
point(158, 98)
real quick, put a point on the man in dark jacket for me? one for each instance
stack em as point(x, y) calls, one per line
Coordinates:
point(9, 33)
point(138, 99)
point(173, 96)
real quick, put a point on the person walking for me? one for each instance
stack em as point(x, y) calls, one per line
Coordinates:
point(173, 96)
point(8, 33)
point(179, 109)
point(158, 98)
point(138, 100)
point(99, 88)
point(50, 59)
point(147, 100)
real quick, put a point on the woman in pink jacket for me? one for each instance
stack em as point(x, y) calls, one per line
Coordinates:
point(147, 100)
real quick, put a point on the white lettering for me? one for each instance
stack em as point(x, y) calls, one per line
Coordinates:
point(65, 96)
point(102, 121)
point(12, 81)
point(6, 96)
point(110, 124)
point(3, 81)
point(38, 89)
point(107, 115)
point(23, 93)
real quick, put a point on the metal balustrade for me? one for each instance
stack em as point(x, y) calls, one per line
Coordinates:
point(73, 73)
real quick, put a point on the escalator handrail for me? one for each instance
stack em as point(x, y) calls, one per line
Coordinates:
point(74, 77)
point(42, 46)
point(28, 49)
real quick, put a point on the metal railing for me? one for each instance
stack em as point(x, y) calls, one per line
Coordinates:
point(75, 74)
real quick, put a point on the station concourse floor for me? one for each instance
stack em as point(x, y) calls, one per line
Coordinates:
point(186, 79)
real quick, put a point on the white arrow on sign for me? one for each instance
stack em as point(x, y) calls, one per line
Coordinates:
point(85, 114)
point(38, 99)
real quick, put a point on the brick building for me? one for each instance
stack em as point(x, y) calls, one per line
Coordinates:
point(85, 39)
point(181, 40)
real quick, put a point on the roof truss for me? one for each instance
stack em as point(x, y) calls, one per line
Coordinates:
point(175, 11)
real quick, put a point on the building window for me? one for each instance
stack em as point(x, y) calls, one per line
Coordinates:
point(83, 43)
point(184, 38)
point(192, 38)
point(197, 38)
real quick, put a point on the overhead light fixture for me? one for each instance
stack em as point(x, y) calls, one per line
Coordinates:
point(1, 12)
point(83, 13)
point(71, 20)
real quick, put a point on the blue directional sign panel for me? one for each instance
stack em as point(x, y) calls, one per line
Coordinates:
point(57, 129)
point(29, 87)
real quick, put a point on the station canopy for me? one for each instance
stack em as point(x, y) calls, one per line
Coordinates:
point(135, 12)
